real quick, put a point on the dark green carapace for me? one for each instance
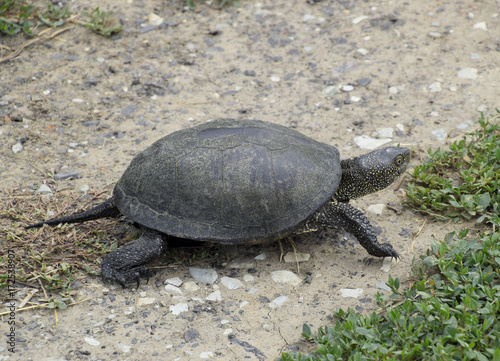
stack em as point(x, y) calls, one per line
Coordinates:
point(239, 182)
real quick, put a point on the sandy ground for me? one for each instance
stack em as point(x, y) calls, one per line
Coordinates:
point(334, 70)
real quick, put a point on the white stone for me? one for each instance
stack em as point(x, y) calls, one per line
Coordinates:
point(84, 188)
point(355, 99)
point(261, 257)
point(190, 286)
point(401, 127)
point(376, 208)
point(434, 114)
point(248, 278)
point(388, 263)
point(308, 17)
point(467, 73)
point(285, 277)
point(351, 292)
point(243, 304)
point(44, 189)
point(382, 286)
point(330, 91)
point(474, 56)
point(435, 87)
point(144, 301)
point(481, 26)
point(275, 79)
point(359, 19)
point(228, 331)
point(123, 348)
point(231, 283)
point(92, 341)
point(347, 88)
point(206, 355)
point(214, 296)
point(77, 100)
point(154, 19)
point(203, 275)
point(440, 134)
point(393, 90)
point(173, 289)
point(366, 142)
point(453, 88)
point(292, 257)
point(363, 51)
point(307, 49)
point(278, 302)
point(16, 148)
point(176, 281)
point(482, 108)
point(179, 308)
point(385, 132)
point(435, 34)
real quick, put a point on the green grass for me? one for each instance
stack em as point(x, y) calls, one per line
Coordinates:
point(452, 315)
point(452, 310)
point(18, 16)
point(464, 181)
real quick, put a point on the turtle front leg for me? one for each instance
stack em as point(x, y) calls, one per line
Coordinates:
point(127, 263)
point(342, 215)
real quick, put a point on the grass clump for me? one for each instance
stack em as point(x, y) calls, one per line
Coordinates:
point(451, 312)
point(103, 22)
point(464, 181)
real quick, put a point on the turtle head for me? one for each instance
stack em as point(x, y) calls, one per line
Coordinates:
point(371, 172)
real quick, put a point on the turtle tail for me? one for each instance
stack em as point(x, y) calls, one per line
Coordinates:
point(105, 209)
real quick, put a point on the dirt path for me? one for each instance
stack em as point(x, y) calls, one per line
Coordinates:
point(338, 71)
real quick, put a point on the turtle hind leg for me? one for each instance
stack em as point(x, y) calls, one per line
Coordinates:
point(128, 263)
point(342, 215)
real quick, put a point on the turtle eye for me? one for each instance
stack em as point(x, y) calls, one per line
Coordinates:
point(399, 160)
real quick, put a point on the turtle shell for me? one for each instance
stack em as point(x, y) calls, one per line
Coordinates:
point(229, 181)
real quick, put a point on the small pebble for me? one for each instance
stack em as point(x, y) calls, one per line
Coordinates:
point(203, 275)
point(176, 281)
point(16, 148)
point(92, 341)
point(351, 292)
point(481, 26)
point(179, 308)
point(467, 73)
point(385, 132)
point(214, 296)
point(44, 189)
point(261, 257)
point(363, 51)
point(231, 283)
point(435, 34)
point(440, 134)
point(330, 91)
point(376, 208)
point(278, 302)
point(382, 286)
point(173, 289)
point(292, 257)
point(366, 142)
point(359, 19)
point(393, 90)
point(482, 108)
point(347, 88)
point(144, 301)
point(363, 81)
point(435, 87)
point(275, 79)
point(287, 277)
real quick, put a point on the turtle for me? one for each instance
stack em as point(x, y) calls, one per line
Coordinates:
point(239, 182)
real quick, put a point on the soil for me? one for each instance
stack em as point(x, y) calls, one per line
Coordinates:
point(88, 103)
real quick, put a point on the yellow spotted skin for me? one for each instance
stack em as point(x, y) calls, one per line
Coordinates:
point(361, 176)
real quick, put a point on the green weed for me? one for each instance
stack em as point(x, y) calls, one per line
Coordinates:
point(464, 181)
point(454, 315)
